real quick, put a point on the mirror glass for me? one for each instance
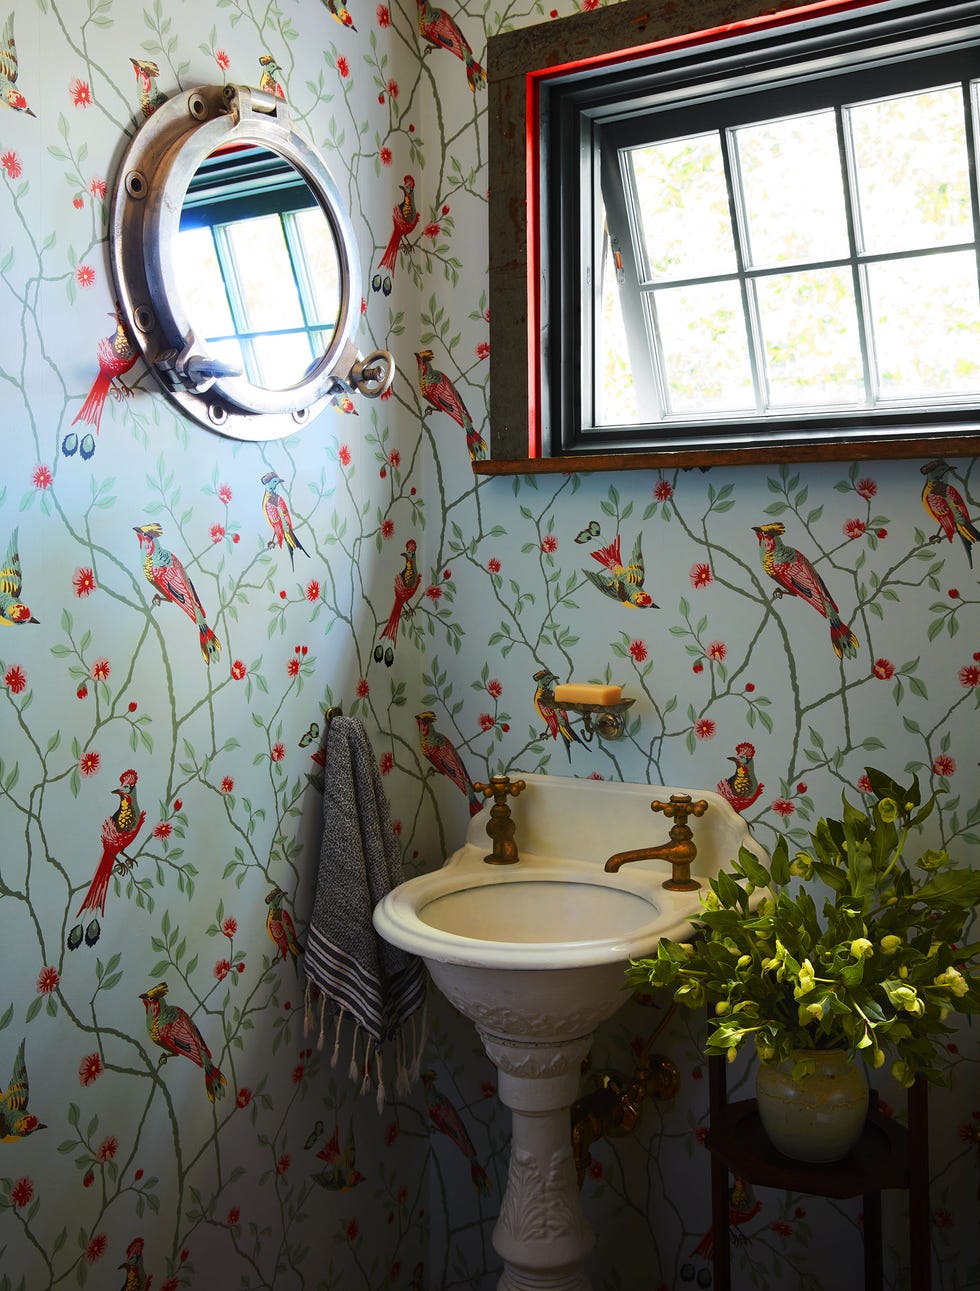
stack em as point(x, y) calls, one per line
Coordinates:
point(258, 266)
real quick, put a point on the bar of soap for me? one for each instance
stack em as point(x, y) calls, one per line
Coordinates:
point(574, 692)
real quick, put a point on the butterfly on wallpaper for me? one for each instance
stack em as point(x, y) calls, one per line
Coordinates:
point(589, 532)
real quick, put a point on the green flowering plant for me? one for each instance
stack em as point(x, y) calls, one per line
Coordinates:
point(876, 967)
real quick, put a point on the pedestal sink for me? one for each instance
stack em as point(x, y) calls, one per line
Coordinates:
point(534, 955)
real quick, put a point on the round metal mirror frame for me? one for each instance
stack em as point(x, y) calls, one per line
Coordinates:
point(149, 192)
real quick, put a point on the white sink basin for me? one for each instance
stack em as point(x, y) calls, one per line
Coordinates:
point(557, 910)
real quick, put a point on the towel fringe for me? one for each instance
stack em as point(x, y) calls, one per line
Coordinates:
point(380, 1099)
point(336, 1043)
point(366, 1082)
point(352, 1072)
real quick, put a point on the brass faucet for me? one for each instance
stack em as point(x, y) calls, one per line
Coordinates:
point(614, 1105)
point(500, 826)
point(680, 851)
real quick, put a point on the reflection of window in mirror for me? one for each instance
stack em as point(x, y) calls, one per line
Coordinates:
point(257, 266)
point(766, 236)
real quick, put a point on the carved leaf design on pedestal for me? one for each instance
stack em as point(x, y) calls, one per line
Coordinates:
point(535, 1206)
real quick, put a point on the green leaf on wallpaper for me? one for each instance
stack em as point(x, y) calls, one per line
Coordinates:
point(34, 1008)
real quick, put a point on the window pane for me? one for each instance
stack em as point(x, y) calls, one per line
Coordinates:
point(682, 200)
point(284, 360)
point(793, 190)
point(265, 276)
point(320, 255)
point(705, 349)
point(615, 390)
point(926, 319)
point(202, 288)
point(811, 339)
point(912, 172)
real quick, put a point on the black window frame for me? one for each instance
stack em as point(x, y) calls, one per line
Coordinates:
point(570, 98)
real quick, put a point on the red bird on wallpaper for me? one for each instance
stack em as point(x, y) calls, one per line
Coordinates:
point(10, 96)
point(742, 788)
point(554, 717)
point(118, 833)
point(150, 97)
point(404, 218)
point(447, 1121)
point(444, 758)
point(436, 26)
point(169, 577)
point(623, 583)
point(945, 504)
point(437, 389)
point(172, 1029)
point(408, 580)
point(116, 355)
point(276, 511)
point(797, 577)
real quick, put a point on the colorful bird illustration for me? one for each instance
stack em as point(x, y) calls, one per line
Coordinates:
point(408, 580)
point(150, 97)
point(13, 611)
point(623, 583)
point(279, 925)
point(441, 31)
point(742, 1206)
point(339, 1174)
point(404, 218)
point(172, 1029)
point(945, 504)
point(276, 511)
point(446, 1119)
point(169, 577)
point(442, 755)
point(118, 833)
point(16, 1122)
point(116, 355)
point(742, 788)
point(136, 1278)
point(555, 718)
point(437, 390)
point(796, 576)
point(267, 81)
point(341, 13)
point(10, 96)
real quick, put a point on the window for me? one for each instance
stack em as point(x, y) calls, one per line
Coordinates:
point(764, 238)
point(258, 266)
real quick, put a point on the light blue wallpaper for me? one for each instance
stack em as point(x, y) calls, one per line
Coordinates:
point(109, 1158)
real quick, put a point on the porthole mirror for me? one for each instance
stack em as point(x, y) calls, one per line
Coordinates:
point(236, 266)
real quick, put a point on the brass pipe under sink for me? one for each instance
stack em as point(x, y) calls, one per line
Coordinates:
point(680, 850)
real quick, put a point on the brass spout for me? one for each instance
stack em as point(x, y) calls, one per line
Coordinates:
point(500, 826)
point(680, 850)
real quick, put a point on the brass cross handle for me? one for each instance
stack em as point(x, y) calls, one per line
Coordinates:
point(680, 807)
point(500, 826)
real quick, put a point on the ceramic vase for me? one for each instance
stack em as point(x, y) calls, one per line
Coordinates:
point(818, 1117)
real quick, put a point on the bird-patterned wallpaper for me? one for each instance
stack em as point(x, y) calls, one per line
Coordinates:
point(180, 610)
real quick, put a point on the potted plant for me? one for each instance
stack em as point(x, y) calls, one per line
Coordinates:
point(844, 950)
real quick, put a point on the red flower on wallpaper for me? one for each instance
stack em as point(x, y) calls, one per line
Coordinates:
point(343, 455)
point(83, 581)
point(717, 650)
point(701, 575)
point(89, 1069)
point(704, 728)
point(15, 679)
point(97, 188)
point(108, 1148)
point(11, 165)
point(227, 784)
point(238, 669)
point(312, 591)
point(638, 651)
point(244, 1096)
point(783, 807)
point(866, 488)
point(85, 275)
point(494, 688)
point(101, 669)
point(42, 477)
point(96, 1248)
point(883, 669)
point(22, 1191)
point(47, 980)
point(222, 59)
point(89, 762)
point(943, 765)
point(81, 93)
